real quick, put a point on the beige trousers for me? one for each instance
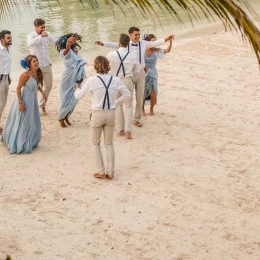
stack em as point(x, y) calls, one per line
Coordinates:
point(139, 82)
point(47, 83)
point(103, 120)
point(4, 88)
point(124, 119)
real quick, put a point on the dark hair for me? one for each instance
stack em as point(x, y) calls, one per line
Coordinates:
point(124, 39)
point(38, 22)
point(101, 65)
point(29, 59)
point(3, 33)
point(132, 29)
point(149, 37)
point(61, 43)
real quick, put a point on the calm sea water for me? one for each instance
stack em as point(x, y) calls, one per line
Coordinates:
point(100, 23)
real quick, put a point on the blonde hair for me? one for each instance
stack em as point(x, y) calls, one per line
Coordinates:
point(101, 65)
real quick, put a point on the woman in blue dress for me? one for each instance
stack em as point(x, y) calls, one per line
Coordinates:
point(74, 73)
point(22, 128)
point(151, 76)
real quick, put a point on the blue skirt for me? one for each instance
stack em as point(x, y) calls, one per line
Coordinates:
point(150, 84)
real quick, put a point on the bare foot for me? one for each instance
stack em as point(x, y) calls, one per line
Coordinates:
point(62, 124)
point(151, 113)
point(43, 111)
point(109, 176)
point(122, 132)
point(143, 113)
point(128, 135)
point(67, 120)
point(99, 175)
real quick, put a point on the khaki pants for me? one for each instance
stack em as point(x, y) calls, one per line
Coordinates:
point(124, 119)
point(139, 82)
point(103, 120)
point(4, 88)
point(47, 83)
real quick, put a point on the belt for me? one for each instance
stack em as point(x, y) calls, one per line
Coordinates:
point(1, 76)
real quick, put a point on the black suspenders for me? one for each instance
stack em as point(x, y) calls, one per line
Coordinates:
point(106, 98)
point(140, 55)
point(121, 63)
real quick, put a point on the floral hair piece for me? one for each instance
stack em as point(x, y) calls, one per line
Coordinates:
point(24, 63)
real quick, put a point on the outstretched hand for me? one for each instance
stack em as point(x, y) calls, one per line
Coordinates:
point(99, 43)
point(170, 37)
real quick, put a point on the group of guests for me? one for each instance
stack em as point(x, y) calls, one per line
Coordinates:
point(131, 67)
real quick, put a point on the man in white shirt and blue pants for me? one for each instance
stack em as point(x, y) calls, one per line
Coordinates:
point(5, 68)
point(138, 47)
point(38, 43)
point(123, 65)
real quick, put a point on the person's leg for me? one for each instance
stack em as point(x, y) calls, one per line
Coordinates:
point(129, 108)
point(139, 92)
point(143, 111)
point(153, 102)
point(4, 88)
point(120, 119)
point(47, 86)
point(97, 122)
point(109, 128)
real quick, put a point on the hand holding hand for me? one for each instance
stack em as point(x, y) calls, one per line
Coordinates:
point(44, 96)
point(170, 37)
point(99, 43)
point(76, 87)
point(22, 107)
point(44, 34)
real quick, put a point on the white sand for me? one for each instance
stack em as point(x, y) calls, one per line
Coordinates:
point(186, 187)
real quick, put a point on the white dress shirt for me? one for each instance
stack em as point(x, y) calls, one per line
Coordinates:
point(135, 49)
point(5, 60)
point(39, 47)
point(96, 88)
point(130, 64)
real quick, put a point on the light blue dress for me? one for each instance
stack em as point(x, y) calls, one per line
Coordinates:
point(152, 75)
point(74, 70)
point(22, 131)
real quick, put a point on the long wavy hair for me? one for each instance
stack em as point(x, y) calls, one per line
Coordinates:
point(29, 59)
point(61, 43)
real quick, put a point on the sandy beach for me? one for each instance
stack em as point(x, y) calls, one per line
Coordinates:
point(186, 186)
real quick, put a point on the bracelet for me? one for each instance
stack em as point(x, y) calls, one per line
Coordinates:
point(20, 102)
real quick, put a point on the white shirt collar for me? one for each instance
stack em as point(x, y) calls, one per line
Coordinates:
point(3, 48)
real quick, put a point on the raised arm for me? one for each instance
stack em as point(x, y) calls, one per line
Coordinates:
point(52, 38)
point(31, 40)
point(150, 44)
point(113, 45)
point(23, 78)
point(168, 49)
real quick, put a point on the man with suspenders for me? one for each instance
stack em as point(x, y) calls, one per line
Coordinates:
point(123, 65)
point(104, 90)
point(138, 47)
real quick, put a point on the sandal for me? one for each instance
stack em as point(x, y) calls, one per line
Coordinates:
point(137, 124)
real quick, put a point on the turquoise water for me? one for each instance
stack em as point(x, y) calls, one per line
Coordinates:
point(94, 24)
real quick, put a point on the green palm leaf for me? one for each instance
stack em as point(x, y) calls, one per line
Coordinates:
point(236, 14)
